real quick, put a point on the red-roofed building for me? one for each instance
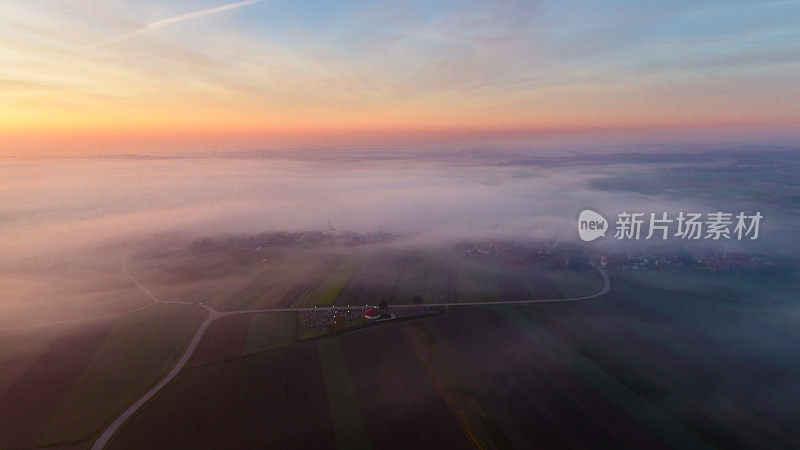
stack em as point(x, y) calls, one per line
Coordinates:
point(372, 314)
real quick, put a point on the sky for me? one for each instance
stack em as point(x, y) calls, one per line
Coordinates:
point(103, 77)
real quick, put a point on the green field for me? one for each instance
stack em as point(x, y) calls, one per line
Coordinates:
point(325, 277)
point(139, 350)
point(103, 367)
point(654, 363)
point(757, 314)
point(270, 330)
point(329, 290)
point(348, 423)
point(745, 287)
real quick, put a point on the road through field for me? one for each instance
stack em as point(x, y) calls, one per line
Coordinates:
point(214, 315)
point(142, 287)
point(603, 291)
point(103, 439)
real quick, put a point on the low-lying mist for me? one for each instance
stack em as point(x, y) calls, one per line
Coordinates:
point(53, 207)
point(65, 224)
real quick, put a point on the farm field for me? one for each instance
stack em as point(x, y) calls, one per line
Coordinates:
point(69, 381)
point(635, 368)
point(266, 278)
point(241, 334)
point(742, 287)
point(67, 290)
point(268, 400)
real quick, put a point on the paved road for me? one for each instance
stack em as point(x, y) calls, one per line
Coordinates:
point(603, 291)
point(104, 438)
point(214, 315)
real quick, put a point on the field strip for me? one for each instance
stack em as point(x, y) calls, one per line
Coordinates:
point(103, 316)
point(603, 291)
point(104, 438)
point(214, 315)
point(80, 319)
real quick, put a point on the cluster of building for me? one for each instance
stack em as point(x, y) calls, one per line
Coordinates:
point(327, 320)
point(710, 261)
point(285, 238)
point(550, 254)
point(742, 166)
point(571, 256)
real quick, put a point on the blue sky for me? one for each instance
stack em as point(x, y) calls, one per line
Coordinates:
point(328, 67)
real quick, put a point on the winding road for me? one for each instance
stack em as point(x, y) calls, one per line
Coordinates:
point(213, 315)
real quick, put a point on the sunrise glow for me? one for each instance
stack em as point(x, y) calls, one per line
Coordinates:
point(83, 74)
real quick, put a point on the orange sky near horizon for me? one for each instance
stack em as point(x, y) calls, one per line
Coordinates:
point(79, 77)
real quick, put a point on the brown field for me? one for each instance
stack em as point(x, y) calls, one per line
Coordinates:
point(268, 400)
point(627, 370)
point(398, 400)
point(224, 339)
point(79, 288)
point(241, 334)
point(270, 330)
point(71, 380)
point(284, 277)
point(645, 366)
point(373, 281)
point(32, 398)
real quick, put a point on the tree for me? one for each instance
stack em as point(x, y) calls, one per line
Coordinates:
point(417, 300)
point(383, 308)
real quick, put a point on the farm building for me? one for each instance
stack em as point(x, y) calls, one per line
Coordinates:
point(372, 314)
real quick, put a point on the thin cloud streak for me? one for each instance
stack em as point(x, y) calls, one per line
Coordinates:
point(344, 73)
point(175, 19)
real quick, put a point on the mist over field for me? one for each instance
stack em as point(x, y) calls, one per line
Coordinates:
point(485, 225)
point(118, 255)
point(65, 224)
point(63, 206)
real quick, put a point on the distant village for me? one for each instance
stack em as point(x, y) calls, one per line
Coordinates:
point(285, 238)
point(740, 166)
point(553, 255)
point(566, 256)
